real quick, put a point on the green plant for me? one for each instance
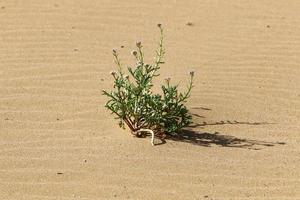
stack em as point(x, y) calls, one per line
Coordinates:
point(134, 104)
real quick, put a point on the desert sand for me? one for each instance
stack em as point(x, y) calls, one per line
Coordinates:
point(57, 141)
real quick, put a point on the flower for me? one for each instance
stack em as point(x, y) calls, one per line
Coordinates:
point(113, 73)
point(139, 44)
point(192, 72)
point(168, 79)
point(134, 53)
point(114, 51)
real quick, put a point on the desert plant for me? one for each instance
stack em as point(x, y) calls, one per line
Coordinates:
point(134, 104)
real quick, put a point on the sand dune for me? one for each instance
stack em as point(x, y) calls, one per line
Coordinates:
point(57, 141)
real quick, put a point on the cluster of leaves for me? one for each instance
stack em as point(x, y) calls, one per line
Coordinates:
point(134, 104)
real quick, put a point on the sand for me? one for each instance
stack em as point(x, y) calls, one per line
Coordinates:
point(57, 141)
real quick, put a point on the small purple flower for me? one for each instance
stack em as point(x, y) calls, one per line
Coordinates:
point(168, 79)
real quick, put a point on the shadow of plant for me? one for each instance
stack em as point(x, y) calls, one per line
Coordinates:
point(208, 139)
point(226, 122)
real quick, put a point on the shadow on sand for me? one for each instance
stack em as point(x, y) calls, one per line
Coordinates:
point(228, 122)
point(207, 139)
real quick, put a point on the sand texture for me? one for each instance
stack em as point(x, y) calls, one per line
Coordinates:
point(57, 141)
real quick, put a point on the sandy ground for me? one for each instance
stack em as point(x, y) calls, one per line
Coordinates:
point(57, 141)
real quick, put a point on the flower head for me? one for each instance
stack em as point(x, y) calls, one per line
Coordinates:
point(159, 25)
point(139, 44)
point(134, 53)
point(113, 73)
point(114, 51)
point(192, 72)
point(168, 79)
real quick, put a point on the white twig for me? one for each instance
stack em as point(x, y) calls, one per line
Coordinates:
point(149, 131)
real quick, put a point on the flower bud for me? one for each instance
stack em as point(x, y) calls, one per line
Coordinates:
point(192, 72)
point(134, 53)
point(168, 79)
point(114, 51)
point(113, 73)
point(139, 44)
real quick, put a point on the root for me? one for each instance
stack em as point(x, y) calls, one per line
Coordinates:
point(149, 131)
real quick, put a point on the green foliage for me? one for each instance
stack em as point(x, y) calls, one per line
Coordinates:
point(134, 104)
